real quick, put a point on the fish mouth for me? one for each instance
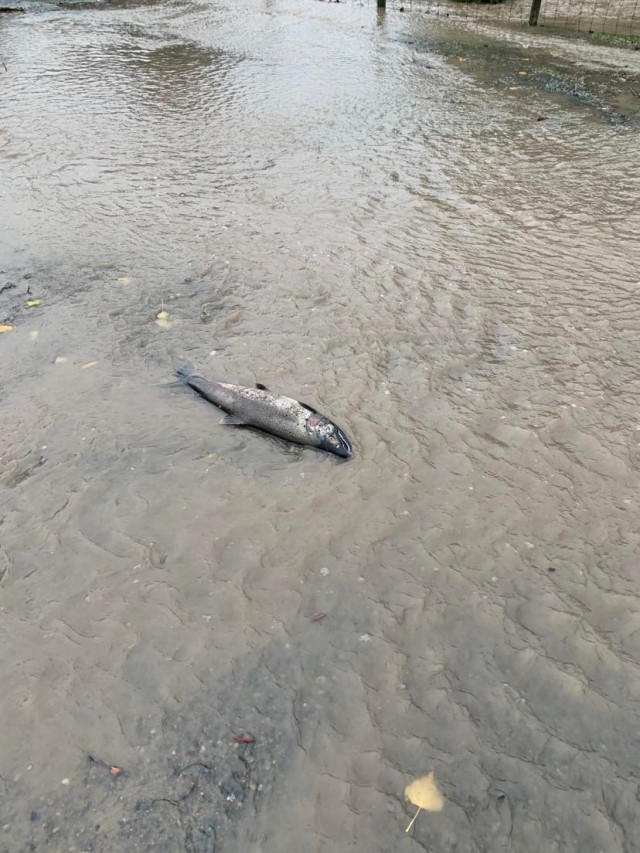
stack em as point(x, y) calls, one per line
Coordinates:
point(344, 448)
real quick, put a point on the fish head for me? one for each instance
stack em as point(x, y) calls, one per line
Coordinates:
point(328, 436)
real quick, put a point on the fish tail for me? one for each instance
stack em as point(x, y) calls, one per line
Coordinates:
point(185, 372)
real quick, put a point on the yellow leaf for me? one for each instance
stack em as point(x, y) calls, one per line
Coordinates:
point(424, 794)
point(5, 329)
point(33, 303)
point(163, 319)
point(88, 365)
point(522, 73)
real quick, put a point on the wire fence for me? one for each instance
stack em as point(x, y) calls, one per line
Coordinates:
point(615, 17)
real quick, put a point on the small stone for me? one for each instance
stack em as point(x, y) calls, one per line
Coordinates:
point(66, 781)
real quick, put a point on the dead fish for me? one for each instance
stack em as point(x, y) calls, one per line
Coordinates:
point(259, 408)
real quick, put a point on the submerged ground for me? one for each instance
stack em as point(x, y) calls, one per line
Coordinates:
point(430, 234)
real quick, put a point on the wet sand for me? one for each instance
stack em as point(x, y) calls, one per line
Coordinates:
point(364, 214)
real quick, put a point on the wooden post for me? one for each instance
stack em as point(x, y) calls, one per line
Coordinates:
point(535, 11)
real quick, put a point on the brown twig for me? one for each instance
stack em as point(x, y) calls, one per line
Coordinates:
point(194, 764)
point(316, 617)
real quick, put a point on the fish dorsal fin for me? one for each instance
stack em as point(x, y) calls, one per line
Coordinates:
point(309, 408)
point(232, 420)
point(261, 387)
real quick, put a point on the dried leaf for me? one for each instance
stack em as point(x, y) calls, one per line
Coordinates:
point(424, 793)
point(33, 303)
point(115, 771)
point(163, 319)
point(5, 329)
point(88, 365)
point(522, 73)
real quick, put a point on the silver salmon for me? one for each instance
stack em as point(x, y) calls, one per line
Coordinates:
point(281, 416)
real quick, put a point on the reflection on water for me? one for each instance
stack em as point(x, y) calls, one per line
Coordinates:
point(327, 206)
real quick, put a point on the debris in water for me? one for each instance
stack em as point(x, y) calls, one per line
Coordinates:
point(424, 794)
point(124, 279)
point(5, 329)
point(88, 365)
point(61, 359)
point(244, 739)
point(33, 303)
point(113, 769)
point(163, 318)
point(542, 118)
point(316, 617)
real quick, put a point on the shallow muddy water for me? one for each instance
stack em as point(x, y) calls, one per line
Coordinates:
point(325, 202)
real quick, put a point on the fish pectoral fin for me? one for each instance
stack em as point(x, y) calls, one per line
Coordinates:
point(261, 387)
point(309, 408)
point(232, 420)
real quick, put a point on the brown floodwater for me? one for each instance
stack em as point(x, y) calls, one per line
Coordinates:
point(326, 202)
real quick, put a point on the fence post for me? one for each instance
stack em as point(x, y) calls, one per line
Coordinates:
point(535, 11)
